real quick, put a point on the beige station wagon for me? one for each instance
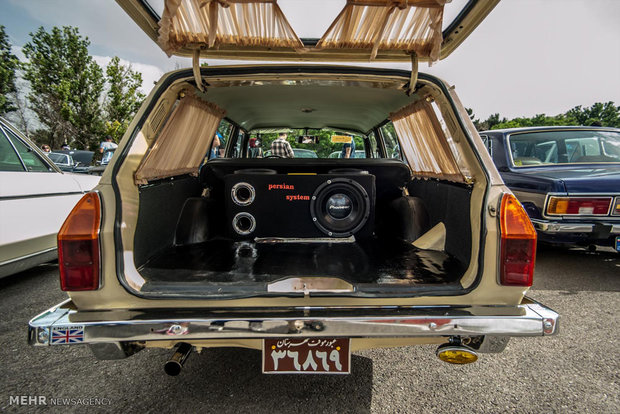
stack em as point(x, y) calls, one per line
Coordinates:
point(225, 220)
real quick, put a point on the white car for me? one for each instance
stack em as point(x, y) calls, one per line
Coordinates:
point(35, 199)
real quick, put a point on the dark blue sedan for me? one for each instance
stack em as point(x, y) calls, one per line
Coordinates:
point(567, 178)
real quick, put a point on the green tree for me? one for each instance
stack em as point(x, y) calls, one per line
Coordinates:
point(477, 123)
point(8, 66)
point(123, 97)
point(603, 114)
point(66, 86)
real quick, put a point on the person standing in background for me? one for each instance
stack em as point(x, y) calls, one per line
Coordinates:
point(215, 146)
point(107, 145)
point(255, 150)
point(281, 147)
point(348, 149)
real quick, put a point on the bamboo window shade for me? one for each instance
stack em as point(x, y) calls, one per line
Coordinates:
point(183, 142)
point(408, 25)
point(196, 23)
point(424, 143)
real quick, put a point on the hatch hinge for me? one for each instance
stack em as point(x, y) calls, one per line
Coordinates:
point(413, 81)
point(200, 84)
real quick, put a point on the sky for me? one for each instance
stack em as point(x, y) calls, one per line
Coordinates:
point(527, 57)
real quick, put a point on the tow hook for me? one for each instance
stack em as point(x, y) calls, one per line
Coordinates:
point(454, 352)
point(175, 363)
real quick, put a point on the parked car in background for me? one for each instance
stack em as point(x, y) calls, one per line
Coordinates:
point(101, 165)
point(338, 154)
point(299, 153)
point(567, 178)
point(304, 259)
point(35, 198)
point(74, 161)
point(304, 153)
point(82, 160)
point(63, 161)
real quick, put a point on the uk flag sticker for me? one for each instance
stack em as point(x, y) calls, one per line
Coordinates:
point(67, 335)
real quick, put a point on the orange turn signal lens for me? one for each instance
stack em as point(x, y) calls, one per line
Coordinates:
point(518, 244)
point(515, 223)
point(557, 205)
point(78, 246)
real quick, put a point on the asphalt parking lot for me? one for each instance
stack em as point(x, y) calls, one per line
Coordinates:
point(577, 371)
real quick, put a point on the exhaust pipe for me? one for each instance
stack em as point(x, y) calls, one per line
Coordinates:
point(175, 363)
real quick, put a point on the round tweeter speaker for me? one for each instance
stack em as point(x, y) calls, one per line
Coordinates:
point(244, 223)
point(243, 194)
point(340, 207)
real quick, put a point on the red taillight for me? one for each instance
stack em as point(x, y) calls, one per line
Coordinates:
point(78, 246)
point(518, 244)
point(586, 206)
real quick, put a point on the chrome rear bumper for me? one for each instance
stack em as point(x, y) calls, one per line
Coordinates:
point(558, 227)
point(63, 324)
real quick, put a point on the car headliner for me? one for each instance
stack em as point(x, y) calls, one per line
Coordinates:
point(348, 105)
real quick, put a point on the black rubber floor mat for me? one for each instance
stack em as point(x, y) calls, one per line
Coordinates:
point(375, 261)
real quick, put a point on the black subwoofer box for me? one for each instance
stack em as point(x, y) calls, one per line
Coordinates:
point(299, 206)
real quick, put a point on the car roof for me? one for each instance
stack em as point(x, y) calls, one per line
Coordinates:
point(548, 128)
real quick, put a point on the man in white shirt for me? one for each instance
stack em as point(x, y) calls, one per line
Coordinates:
point(107, 145)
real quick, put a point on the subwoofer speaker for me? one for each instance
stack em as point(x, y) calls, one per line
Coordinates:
point(300, 206)
point(340, 207)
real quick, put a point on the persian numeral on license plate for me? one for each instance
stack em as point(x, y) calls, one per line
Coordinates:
point(306, 356)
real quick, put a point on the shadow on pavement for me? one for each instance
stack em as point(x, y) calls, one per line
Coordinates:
point(230, 380)
point(576, 269)
point(27, 275)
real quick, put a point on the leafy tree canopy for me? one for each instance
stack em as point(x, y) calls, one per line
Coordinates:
point(8, 66)
point(123, 98)
point(600, 114)
point(66, 85)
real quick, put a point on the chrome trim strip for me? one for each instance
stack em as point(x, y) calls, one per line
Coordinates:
point(527, 319)
point(29, 256)
point(43, 195)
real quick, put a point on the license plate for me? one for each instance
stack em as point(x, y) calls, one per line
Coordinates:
point(618, 243)
point(306, 356)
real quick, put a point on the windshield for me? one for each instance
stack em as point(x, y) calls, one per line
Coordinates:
point(565, 147)
point(305, 144)
point(59, 158)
